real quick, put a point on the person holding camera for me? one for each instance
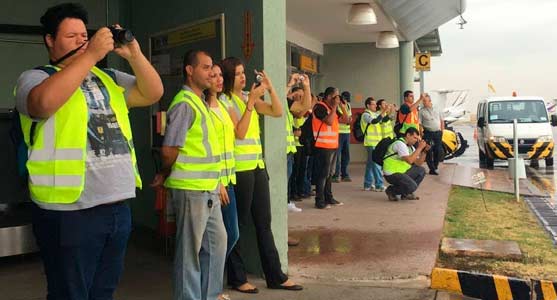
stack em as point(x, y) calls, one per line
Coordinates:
point(343, 152)
point(402, 165)
point(433, 126)
point(325, 126)
point(82, 164)
point(252, 180)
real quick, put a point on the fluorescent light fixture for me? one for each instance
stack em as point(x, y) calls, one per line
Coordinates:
point(386, 39)
point(361, 14)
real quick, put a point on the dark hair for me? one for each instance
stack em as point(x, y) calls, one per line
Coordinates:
point(295, 89)
point(329, 91)
point(191, 59)
point(368, 100)
point(379, 102)
point(229, 65)
point(56, 14)
point(206, 91)
point(346, 95)
point(407, 92)
point(411, 131)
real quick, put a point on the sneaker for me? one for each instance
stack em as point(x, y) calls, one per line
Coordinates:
point(391, 196)
point(292, 207)
point(410, 197)
point(335, 179)
point(433, 172)
point(367, 189)
point(322, 206)
point(335, 202)
point(379, 189)
point(346, 179)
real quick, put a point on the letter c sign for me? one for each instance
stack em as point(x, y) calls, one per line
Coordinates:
point(423, 61)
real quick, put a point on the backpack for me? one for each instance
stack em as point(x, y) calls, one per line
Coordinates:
point(16, 131)
point(306, 137)
point(357, 132)
point(379, 152)
point(398, 125)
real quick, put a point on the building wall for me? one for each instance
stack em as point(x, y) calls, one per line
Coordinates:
point(363, 70)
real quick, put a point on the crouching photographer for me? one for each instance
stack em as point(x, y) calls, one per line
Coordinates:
point(82, 164)
point(402, 165)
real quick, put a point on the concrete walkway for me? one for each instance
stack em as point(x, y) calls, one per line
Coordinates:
point(369, 248)
point(370, 240)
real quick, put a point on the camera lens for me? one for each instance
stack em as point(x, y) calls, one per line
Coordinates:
point(121, 35)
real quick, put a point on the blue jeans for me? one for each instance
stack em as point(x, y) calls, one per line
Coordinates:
point(372, 175)
point(230, 219)
point(343, 155)
point(83, 250)
point(200, 245)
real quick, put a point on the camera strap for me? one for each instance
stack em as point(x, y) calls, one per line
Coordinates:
point(72, 52)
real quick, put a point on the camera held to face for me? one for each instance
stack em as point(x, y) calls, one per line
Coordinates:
point(121, 36)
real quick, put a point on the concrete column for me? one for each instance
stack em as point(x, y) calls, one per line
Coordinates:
point(406, 67)
point(274, 63)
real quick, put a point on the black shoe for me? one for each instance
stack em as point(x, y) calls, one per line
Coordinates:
point(433, 172)
point(390, 195)
point(322, 205)
point(295, 287)
point(410, 197)
point(335, 202)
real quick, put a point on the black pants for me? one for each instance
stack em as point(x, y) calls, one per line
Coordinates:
point(325, 167)
point(298, 177)
point(406, 183)
point(434, 156)
point(253, 203)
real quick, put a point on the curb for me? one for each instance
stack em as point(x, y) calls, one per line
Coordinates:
point(481, 286)
point(545, 290)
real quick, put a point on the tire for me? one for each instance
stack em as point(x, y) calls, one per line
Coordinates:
point(549, 162)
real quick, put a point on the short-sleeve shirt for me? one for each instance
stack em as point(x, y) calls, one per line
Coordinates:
point(430, 119)
point(109, 171)
point(179, 119)
point(402, 150)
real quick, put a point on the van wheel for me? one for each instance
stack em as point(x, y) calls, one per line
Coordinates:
point(549, 161)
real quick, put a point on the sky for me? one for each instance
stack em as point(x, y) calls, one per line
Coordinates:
point(512, 43)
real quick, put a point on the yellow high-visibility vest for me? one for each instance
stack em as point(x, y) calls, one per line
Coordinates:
point(57, 157)
point(198, 166)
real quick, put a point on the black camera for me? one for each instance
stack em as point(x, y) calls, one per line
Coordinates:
point(121, 36)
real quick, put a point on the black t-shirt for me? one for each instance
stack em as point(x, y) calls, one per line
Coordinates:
point(320, 112)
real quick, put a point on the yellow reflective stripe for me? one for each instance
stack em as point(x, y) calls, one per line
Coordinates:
point(56, 180)
point(247, 157)
point(548, 290)
point(325, 133)
point(56, 154)
point(180, 174)
point(197, 160)
point(248, 142)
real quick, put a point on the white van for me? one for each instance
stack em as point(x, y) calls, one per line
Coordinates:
point(495, 129)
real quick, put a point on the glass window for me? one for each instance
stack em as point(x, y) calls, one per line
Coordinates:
point(523, 111)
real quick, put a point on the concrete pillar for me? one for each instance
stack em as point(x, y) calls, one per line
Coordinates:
point(274, 145)
point(406, 67)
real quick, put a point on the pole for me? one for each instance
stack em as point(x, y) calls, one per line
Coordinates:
point(422, 83)
point(515, 146)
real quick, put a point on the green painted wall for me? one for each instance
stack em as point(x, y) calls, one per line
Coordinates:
point(361, 69)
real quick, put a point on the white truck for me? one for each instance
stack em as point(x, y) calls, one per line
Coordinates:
point(495, 130)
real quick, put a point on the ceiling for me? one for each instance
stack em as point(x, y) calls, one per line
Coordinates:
point(325, 20)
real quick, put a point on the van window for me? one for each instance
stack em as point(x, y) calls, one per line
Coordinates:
point(523, 111)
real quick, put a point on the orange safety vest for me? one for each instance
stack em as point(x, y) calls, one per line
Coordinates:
point(412, 117)
point(326, 136)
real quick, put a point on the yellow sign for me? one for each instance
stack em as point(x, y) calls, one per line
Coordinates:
point(308, 64)
point(423, 61)
point(192, 34)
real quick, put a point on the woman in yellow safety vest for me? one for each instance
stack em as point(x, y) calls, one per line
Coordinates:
point(252, 179)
